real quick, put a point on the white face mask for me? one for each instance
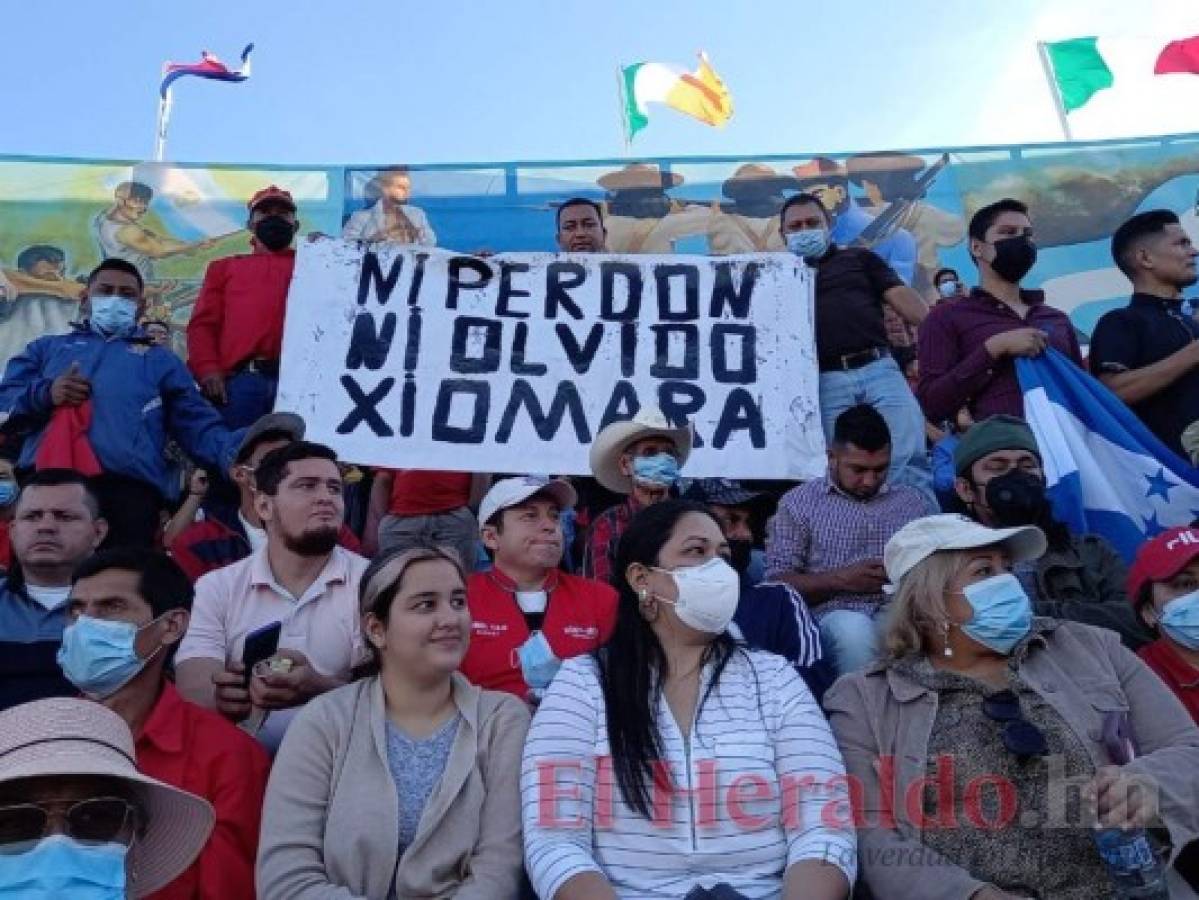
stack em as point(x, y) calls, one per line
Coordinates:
point(708, 594)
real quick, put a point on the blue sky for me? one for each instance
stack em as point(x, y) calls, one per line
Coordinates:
point(451, 80)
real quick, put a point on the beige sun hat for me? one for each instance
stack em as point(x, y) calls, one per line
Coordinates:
point(613, 440)
point(921, 538)
point(62, 736)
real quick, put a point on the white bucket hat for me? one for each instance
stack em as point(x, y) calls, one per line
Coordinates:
point(610, 444)
point(62, 736)
point(920, 539)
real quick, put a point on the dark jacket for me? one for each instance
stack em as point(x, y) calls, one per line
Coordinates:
point(1084, 582)
point(30, 636)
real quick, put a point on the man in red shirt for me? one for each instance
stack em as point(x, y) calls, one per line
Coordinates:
point(1163, 585)
point(419, 508)
point(128, 610)
point(235, 335)
point(526, 614)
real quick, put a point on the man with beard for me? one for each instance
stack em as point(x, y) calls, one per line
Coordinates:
point(300, 579)
point(224, 537)
point(1148, 352)
point(826, 539)
point(528, 616)
point(770, 615)
point(1081, 577)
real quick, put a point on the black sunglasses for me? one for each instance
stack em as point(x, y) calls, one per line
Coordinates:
point(97, 820)
point(1021, 737)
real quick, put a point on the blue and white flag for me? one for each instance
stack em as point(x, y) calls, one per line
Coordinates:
point(1107, 473)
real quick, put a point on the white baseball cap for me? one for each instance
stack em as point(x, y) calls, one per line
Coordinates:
point(920, 539)
point(513, 491)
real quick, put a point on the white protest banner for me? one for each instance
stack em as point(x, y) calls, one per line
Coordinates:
point(413, 357)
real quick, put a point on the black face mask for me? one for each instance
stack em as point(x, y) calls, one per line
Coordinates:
point(274, 232)
point(1014, 257)
point(1017, 498)
point(740, 553)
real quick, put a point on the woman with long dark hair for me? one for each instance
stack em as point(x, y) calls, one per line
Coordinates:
point(674, 760)
point(402, 783)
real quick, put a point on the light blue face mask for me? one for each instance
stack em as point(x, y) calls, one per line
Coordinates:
point(59, 867)
point(810, 243)
point(1180, 620)
point(98, 656)
point(112, 315)
point(948, 288)
point(538, 665)
point(661, 469)
point(8, 492)
point(1002, 612)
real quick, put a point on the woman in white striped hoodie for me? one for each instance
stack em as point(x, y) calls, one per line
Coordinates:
point(675, 762)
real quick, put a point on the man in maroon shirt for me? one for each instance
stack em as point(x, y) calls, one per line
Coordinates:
point(967, 348)
point(235, 335)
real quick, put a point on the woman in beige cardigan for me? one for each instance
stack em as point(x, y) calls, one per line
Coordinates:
point(986, 741)
point(404, 783)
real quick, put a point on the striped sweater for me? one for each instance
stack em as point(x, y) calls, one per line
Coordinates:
point(759, 785)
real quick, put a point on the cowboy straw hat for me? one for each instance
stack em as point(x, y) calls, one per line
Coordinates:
point(759, 177)
point(610, 444)
point(64, 736)
point(641, 176)
point(866, 164)
point(820, 170)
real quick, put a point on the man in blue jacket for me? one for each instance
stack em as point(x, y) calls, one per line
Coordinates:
point(140, 396)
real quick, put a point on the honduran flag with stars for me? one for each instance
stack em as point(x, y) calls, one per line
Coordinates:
point(1106, 472)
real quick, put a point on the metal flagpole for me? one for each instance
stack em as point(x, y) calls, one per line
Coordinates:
point(622, 102)
point(1062, 115)
point(164, 118)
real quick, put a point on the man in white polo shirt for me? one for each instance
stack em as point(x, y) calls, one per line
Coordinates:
point(301, 579)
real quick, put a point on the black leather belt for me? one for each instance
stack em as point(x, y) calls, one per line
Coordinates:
point(854, 360)
point(267, 367)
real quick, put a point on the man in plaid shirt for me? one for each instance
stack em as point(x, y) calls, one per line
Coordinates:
point(827, 538)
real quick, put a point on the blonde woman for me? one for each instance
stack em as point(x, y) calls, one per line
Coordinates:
point(967, 737)
point(403, 783)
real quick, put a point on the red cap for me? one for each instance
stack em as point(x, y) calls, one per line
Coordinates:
point(274, 192)
point(1161, 558)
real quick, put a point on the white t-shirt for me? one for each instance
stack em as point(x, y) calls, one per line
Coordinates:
point(48, 597)
point(532, 601)
point(256, 536)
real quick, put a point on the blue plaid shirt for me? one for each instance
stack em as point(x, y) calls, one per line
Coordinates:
point(819, 527)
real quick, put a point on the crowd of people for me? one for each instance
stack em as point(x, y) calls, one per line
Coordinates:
point(233, 665)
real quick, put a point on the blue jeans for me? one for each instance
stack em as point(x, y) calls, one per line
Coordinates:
point(250, 396)
point(849, 639)
point(883, 386)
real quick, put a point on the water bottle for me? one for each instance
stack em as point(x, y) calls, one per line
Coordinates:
point(1132, 864)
